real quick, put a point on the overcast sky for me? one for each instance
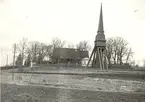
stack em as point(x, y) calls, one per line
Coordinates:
point(71, 20)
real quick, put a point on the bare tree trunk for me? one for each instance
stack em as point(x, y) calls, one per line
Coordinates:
point(115, 58)
point(120, 60)
point(109, 60)
point(129, 54)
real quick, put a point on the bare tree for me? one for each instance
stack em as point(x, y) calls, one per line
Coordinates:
point(22, 47)
point(83, 46)
point(55, 42)
point(43, 51)
point(117, 49)
point(19, 60)
point(37, 51)
point(109, 47)
point(122, 48)
point(112, 48)
point(28, 60)
point(49, 50)
point(33, 49)
point(71, 46)
point(129, 55)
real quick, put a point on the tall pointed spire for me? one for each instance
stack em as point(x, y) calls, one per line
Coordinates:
point(99, 53)
point(100, 26)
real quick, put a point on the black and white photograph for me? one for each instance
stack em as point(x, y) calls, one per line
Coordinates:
point(72, 50)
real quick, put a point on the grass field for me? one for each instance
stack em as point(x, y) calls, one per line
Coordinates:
point(72, 85)
point(14, 93)
point(115, 74)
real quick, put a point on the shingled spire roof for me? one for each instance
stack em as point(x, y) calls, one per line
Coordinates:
point(100, 26)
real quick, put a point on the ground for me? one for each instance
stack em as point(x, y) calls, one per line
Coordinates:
point(72, 85)
point(43, 94)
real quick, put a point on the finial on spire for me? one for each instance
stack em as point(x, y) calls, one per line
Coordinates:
point(100, 26)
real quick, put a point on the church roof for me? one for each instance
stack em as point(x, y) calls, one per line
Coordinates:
point(69, 53)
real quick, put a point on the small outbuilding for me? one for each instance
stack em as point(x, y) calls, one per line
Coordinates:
point(68, 55)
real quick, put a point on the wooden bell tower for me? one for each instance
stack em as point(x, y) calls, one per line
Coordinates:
point(98, 55)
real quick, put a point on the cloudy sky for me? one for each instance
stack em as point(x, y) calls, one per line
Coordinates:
point(71, 20)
